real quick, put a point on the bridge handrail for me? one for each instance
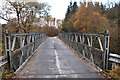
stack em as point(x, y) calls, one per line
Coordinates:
point(2, 60)
point(115, 58)
point(91, 34)
point(20, 46)
point(84, 44)
point(31, 33)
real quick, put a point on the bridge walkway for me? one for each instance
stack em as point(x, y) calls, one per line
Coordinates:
point(54, 60)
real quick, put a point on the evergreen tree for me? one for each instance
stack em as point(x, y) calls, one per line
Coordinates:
point(67, 14)
point(74, 7)
point(68, 23)
point(102, 7)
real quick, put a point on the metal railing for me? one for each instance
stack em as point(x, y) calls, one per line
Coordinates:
point(3, 61)
point(114, 59)
point(93, 47)
point(20, 46)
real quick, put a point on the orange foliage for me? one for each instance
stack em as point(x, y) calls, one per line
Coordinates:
point(75, 24)
point(115, 72)
point(50, 30)
point(102, 18)
point(90, 20)
point(83, 30)
point(95, 13)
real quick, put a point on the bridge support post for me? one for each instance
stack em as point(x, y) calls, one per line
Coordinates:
point(76, 38)
point(106, 49)
point(83, 40)
point(8, 47)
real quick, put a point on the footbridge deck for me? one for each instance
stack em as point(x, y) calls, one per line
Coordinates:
point(54, 60)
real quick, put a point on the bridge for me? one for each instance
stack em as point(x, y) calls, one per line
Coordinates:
point(70, 55)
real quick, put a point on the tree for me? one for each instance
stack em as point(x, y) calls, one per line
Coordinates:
point(59, 22)
point(81, 18)
point(89, 19)
point(74, 7)
point(68, 23)
point(98, 8)
point(50, 30)
point(29, 16)
point(26, 13)
point(10, 8)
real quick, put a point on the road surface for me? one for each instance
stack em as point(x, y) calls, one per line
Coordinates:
point(54, 60)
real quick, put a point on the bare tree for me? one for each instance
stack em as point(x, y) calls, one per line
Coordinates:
point(10, 10)
point(24, 12)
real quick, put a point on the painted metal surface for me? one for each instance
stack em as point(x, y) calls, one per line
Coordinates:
point(20, 46)
point(94, 47)
point(115, 58)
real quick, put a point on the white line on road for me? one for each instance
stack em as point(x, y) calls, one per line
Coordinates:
point(53, 41)
point(58, 62)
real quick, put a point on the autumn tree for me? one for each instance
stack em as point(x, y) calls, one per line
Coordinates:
point(113, 20)
point(50, 30)
point(29, 16)
point(81, 18)
point(119, 27)
point(89, 19)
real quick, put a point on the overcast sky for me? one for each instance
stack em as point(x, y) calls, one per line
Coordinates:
point(59, 7)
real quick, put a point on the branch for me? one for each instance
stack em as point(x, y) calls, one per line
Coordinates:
point(5, 19)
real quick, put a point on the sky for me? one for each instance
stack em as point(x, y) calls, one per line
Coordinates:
point(59, 7)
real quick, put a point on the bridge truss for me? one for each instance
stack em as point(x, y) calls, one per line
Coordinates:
point(93, 47)
point(20, 47)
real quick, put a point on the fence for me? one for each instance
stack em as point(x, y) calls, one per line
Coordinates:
point(93, 47)
point(3, 61)
point(20, 46)
point(114, 59)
